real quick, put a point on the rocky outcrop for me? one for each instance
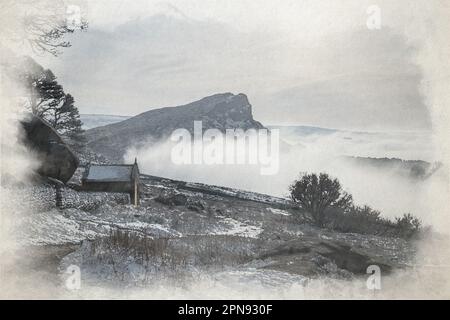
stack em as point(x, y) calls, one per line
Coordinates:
point(57, 161)
point(220, 111)
point(313, 255)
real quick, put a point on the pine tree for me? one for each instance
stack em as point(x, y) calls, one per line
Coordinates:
point(48, 100)
point(68, 123)
point(45, 93)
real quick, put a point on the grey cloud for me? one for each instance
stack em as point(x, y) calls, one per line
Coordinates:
point(354, 79)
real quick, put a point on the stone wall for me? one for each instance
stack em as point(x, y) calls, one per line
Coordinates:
point(43, 198)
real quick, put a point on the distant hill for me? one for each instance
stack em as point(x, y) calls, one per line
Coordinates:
point(219, 111)
point(98, 120)
point(302, 130)
point(418, 169)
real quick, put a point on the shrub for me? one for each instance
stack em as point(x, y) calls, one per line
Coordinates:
point(316, 194)
point(357, 219)
point(408, 226)
point(365, 220)
point(331, 207)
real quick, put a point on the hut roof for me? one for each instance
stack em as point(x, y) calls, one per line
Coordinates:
point(109, 173)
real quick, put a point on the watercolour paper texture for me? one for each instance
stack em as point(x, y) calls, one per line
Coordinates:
point(224, 149)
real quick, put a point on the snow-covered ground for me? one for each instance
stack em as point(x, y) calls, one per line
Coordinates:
point(68, 226)
point(222, 237)
point(233, 227)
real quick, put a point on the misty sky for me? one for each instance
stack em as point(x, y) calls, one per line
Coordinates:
point(299, 62)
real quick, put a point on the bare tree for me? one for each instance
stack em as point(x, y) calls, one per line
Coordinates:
point(42, 24)
point(316, 194)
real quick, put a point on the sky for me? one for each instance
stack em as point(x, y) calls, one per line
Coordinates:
point(299, 62)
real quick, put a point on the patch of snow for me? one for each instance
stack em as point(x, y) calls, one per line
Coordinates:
point(296, 233)
point(233, 227)
point(144, 227)
point(72, 226)
point(51, 228)
point(159, 186)
point(281, 283)
point(279, 211)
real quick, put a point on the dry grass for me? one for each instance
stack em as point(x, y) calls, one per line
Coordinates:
point(130, 255)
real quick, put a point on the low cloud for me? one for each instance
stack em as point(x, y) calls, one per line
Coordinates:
point(386, 189)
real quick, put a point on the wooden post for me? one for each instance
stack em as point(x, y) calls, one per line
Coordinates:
point(135, 193)
point(136, 177)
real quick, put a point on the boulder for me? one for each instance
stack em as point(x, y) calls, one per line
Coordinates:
point(172, 199)
point(56, 158)
point(310, 255)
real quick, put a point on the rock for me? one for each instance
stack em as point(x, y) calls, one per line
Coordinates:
point(196, 205)
point(310, 255)
point(351, 259)
point(57, 159)
point(172, 199)
point(220, 111)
